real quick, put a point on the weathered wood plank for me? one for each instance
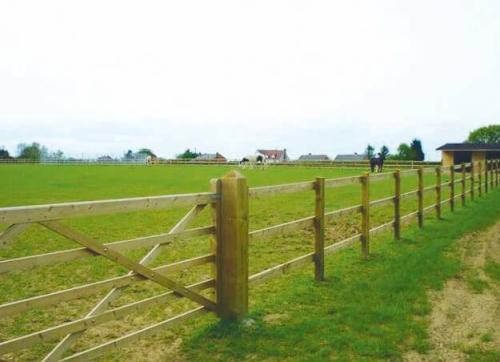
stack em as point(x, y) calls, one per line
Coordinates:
point(128, 263)
point(341, 181)
point(82, 324)
point(125, 340)
point(384, 201)
point(280, 189)
point(304, 223)
point(36, 213)
point(365, 215)
point(319, 230)
point(438, 193)
point(280, 269)
point(232, 248)
point(9, 234)
point(58, 351)
point(332, 215)
point(397, 205)
point(420, 195)
point(408, 194)
point(123, 245)
point(41, 301)
point(330, 249)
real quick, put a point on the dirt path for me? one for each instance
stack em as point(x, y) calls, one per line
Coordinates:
point(465, 318)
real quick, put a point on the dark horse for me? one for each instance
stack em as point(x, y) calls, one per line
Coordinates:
point(377, 162)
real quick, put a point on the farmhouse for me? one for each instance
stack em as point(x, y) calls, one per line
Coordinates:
point(274, 155)
point(311, 157)
point(210, 157)
point(351, 158)
point(457, 153)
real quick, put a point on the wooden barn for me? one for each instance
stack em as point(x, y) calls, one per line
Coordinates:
point(457, 153)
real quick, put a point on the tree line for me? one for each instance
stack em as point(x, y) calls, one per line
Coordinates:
point(407, 152)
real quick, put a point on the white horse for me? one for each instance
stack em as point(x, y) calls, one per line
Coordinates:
point(252, 161)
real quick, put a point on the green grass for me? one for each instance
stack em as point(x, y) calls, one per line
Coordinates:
point(364, 311)
point(492, 268)
point(36, 184)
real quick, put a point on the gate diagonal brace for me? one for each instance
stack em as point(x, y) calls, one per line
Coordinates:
point(120, 259)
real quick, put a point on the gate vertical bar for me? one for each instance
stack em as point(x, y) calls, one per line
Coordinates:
point(420, 214)
point(397, 205)
point(232, 247)
point(480, 178)
point(472, 181)
point(365, 215)
point(319, 230)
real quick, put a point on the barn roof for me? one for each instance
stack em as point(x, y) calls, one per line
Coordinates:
point(210, 156)
point(311, 157)
point(469, 147)
point(351, 157)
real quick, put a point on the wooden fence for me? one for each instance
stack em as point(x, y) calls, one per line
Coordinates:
point(389, 164)
point(228, 200)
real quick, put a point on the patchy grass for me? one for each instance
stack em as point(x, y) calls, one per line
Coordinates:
point(492, 268)
point(35, 184)
point(364, 310)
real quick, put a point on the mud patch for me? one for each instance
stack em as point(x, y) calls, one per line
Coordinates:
point(465, 317)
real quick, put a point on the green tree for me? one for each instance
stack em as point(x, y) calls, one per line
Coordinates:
point(187, 155)
point(417, 154)
point(129, 155)
point(404, 152)
point(57, 155)
point(487, 134)
point(4, 154)
point(146, 151)
point(33, 152)
point(384, 151)
point(369, 151)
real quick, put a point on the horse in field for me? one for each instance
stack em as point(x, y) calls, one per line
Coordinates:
point(252, 160)
point(377, 163)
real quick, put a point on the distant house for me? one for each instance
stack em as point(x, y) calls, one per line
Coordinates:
point(311, 157)
point(274, 155)
point(457, 153)
point(351, 158)
point(210, 157)
point(105, 158)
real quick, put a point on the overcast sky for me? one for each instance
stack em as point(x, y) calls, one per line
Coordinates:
point(100, 77)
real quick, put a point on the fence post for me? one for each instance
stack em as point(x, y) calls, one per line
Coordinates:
point(397, 205)
point(452, 188)
point(480, 178)
point(232, 247)
point(420, 173)
point(472, 180)
point(486, 186)
point(438, 192)
point(463, 184)
point(495, 173)
point(365, 215)
point(492, 174)
point(319, 230)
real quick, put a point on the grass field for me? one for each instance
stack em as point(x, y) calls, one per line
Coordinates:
point(36, 184)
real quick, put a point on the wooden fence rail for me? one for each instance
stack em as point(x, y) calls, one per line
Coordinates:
point(229, 200)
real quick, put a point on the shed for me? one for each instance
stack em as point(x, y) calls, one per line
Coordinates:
point(351, 158)
point(210, 157)
point(457, 153)
point(311, 157)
